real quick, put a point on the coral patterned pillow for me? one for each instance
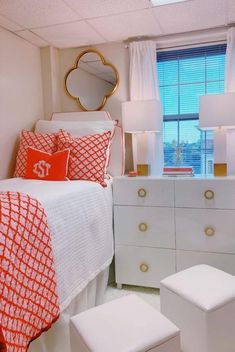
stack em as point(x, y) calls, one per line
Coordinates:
point(88, 155)
point(46, 166)
point(44, 142)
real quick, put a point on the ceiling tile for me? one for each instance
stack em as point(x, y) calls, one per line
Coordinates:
point(37, 13)
point(231, 11)
point(98, 8)
point(191, 15)
point(11, 26)
point(70, 35)
point(32, 38)
point(120, 27)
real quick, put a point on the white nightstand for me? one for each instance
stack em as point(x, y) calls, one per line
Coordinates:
point(144, 230)
point(163, 225)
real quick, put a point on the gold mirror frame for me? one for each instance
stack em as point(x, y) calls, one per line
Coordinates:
point(104, 62)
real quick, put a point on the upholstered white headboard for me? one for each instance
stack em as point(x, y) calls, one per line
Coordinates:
point(116, 165)
point(81, 116)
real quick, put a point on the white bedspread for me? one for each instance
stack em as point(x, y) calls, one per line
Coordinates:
point(80, 220)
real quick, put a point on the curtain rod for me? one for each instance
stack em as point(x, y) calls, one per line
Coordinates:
point(186, 39)
point(192, 45)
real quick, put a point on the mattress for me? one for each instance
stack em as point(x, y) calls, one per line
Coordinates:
point(80, 221)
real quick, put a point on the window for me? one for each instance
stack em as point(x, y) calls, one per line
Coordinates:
point(183, 76)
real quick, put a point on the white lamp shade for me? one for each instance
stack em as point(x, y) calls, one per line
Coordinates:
point(217, 110)
point(142, 116)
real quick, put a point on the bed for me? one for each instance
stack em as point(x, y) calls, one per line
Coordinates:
point(80, 221)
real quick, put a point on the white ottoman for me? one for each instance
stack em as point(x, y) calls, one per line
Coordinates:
point(127, 324)
point(201, 302)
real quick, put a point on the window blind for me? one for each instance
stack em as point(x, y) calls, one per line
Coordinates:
point(183, 76)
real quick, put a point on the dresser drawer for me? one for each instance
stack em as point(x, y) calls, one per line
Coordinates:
point(143, 266)
point(225, 262)
point(197, 193)
point(205, 230)
point(144, 192)
point(144, 226)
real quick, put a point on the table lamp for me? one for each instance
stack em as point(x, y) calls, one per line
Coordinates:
point(140, 118)
point(217, 112)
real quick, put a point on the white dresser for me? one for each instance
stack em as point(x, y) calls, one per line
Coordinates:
point(162, 225)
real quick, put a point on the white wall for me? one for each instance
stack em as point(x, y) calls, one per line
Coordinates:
point(50, 80)
point(32, 82)
point(20, 94)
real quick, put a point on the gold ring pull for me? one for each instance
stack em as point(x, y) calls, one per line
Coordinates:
point(142, 192)
point(144, 267)
point(209, 194)
point(209, 231)
point(143, 227)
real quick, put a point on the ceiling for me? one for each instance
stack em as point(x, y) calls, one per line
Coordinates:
point(72, 23)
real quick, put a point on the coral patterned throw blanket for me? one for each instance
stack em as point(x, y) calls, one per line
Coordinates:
point(28, 292)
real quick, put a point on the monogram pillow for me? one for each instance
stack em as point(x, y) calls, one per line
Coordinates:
point(44, 142)
point(88, 155)
point(46, 166)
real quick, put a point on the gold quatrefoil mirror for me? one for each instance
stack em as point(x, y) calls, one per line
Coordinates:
point(91, 81)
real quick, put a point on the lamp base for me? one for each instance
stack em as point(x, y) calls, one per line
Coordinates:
point(220, 169)
point(143, 169)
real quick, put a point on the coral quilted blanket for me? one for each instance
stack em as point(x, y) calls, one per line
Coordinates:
point(28, 293)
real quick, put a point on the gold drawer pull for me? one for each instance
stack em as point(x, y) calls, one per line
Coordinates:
point(209, 194)
point(209, 231)
point(144, 267)
point(143, 227)
point(142, 192)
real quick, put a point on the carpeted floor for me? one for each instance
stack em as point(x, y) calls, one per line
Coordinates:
point(150, 295)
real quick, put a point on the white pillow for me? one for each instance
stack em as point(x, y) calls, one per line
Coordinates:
point(75, 128)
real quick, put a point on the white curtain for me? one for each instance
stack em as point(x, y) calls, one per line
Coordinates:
point(143, 71)
point(230, 62)
point(230, 87)
point(144, 86)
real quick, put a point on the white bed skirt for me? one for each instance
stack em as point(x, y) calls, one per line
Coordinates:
point(58, 338)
